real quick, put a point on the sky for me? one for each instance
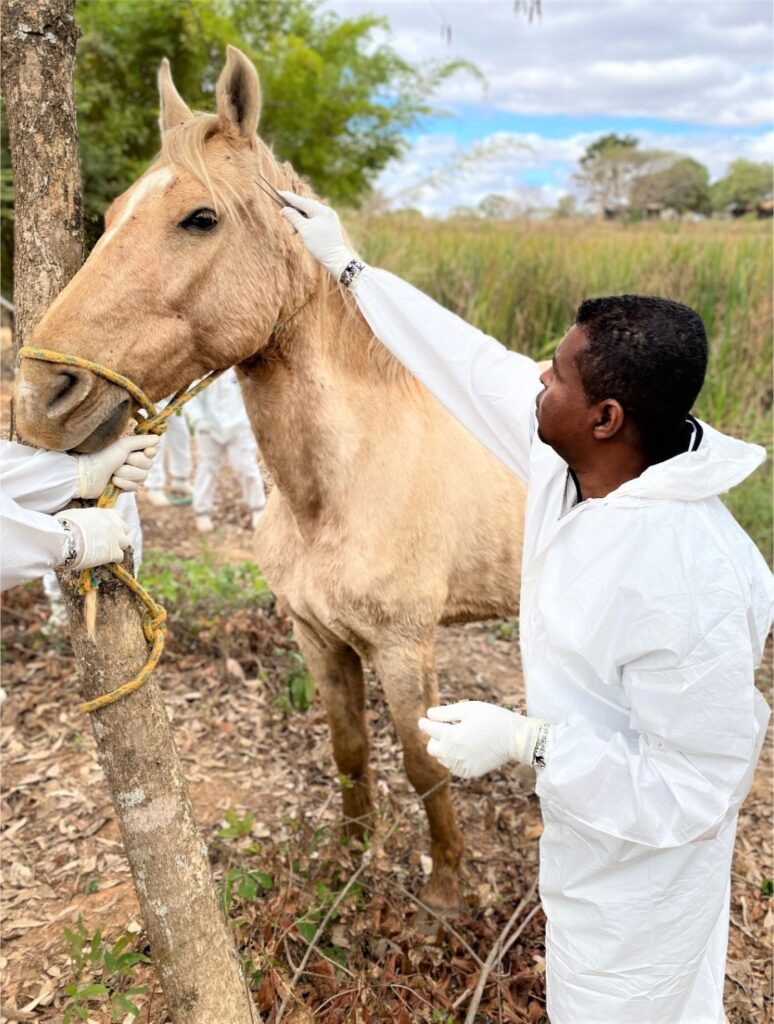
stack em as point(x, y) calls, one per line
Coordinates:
point(692, 76)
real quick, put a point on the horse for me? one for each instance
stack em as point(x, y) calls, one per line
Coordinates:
point(386, 519)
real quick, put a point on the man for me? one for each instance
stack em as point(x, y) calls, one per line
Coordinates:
point(644, 609)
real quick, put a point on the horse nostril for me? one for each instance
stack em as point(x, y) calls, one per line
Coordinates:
point(68, 389)
point(65, 382)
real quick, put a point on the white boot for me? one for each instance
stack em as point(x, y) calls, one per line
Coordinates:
point(204, 524)
point(179, 485)
point(158, 497)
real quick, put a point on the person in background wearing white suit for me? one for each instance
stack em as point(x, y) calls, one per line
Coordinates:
point(219, 420)
point(35, 484)
point(175, 446)
point(644, 611)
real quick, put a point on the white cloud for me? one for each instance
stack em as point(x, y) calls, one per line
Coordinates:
point(705, 62)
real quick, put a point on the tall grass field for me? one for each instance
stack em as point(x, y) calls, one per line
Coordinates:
point(522, 283)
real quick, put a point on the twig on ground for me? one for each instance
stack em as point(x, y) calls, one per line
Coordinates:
point(321, 928)
point(367, 857)
point(518, 931)
point(746, 931)
point(333, 998)
point(496, 953)
point(461, 999)
point(439, 917)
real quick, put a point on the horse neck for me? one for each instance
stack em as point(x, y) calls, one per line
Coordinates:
point(313, 397)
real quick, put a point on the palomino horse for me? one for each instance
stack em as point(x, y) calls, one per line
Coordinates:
point(387, 518)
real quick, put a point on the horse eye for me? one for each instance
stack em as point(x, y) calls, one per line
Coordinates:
point(200, 220)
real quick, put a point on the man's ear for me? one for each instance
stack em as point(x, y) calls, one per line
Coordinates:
point(609, 420)
point(173, 110)
point(238, 94)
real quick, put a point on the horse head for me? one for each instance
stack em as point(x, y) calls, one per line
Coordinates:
point(192, 272)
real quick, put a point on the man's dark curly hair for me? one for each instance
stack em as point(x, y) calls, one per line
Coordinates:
point(649, 354)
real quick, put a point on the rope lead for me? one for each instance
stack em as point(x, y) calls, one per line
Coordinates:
point(153, 422)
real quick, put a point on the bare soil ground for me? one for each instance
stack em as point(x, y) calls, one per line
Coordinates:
point(382, 957)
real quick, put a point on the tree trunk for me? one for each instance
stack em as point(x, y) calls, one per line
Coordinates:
point(38, 56)
point(190, 941)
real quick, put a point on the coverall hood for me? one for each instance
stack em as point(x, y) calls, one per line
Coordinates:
point(718, 463)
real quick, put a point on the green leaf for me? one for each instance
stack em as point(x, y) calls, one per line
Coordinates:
point(121, 1005)
point(93, 991)
point(337, 954)
point(237, 827)
point(325, 894)
point(307, 929)
point(265, 881)
point(248, 888)
point(767, 886)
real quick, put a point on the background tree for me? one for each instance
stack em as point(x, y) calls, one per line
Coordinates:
point(567, 206)
point(683, 185)
point(334, 102)
point(496, 206)
point(607, 169)
point(745, 183)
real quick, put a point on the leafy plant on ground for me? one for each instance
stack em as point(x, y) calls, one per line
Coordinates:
point(299, 683)
point(201, 594)
point(249, 884)
point(108, 970)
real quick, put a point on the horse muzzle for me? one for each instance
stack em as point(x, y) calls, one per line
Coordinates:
point(68, 408)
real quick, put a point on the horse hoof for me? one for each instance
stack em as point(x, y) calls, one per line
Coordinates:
point(442, 895)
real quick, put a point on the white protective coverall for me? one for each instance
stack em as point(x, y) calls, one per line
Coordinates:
point(33, 484)
point(219, 419)
point(643, 616)
point(175, 444)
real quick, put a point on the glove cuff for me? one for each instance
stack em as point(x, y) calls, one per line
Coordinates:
point(530, 740)
point(83, 477)
point(350, 273)
point(74, 548)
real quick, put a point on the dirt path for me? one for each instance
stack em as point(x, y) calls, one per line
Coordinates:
point(244, 751)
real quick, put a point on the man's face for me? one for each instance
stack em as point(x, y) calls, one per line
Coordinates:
point(565, 419)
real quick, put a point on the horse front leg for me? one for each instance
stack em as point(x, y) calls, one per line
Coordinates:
point(338, 674)
point(408, 675)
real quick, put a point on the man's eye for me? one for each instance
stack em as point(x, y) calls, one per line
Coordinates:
point(200, 220)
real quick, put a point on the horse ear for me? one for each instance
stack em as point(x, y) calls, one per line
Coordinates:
point(238, 93)
point(173, 110)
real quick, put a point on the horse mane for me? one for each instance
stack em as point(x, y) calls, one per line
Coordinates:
point(185, 145)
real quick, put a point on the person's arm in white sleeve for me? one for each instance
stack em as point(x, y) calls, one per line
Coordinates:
point(33, 543)
point(38, 480)
point(45, 481)
point(696, 732)
point(490, 390)
point(35, 482)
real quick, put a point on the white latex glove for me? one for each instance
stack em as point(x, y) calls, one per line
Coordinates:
point(320, 232)
point(472, 738)
point(100, 536)
point(126, 460)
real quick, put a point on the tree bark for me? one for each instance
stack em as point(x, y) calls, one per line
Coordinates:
point(189, 938)
point(38, 57)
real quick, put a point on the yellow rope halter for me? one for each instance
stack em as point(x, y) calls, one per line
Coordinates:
point(153, 422)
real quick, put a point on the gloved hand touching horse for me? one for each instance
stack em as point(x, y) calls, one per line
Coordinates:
point(472, 738)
